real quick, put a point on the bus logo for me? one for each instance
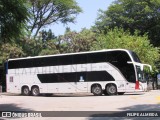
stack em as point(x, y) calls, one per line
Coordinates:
point(6, 114)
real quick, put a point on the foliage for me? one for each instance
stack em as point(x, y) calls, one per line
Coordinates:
point(47, 35)
point(76, 42)
point(30, 47)
point(131, 15)
point(142, 15)
point(46, 12)
point(13, 18)
point(49, 49)
point(10, 51)
point(118, 38)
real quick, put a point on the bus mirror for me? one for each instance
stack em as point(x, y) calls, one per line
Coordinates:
point(147, 65)
point(141, 65)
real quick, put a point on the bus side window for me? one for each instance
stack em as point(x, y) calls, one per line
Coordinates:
point(96, 57)
point(80, 59)
point(65, 60)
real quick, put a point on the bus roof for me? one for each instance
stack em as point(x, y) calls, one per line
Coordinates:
point(103, 50)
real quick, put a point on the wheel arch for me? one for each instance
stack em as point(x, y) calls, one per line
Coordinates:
point(34, 86)
point(110, 84)
point(95, 84)
point(24, 87)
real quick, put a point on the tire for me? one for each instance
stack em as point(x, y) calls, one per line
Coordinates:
point(111, 89)
point(97, 90)
point(25, 91)
point(35, 91)
point(121, 93)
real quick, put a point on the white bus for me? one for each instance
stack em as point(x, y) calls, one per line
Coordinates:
point(109, 72)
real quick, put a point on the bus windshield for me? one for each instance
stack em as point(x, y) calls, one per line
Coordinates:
point(140, 74)
point(135, 57)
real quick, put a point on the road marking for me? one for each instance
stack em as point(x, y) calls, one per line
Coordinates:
point(158, 98)
point(133, 97)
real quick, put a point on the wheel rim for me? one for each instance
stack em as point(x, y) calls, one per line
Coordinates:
point(97, 90)
point(112, 89)
point(25, 91)
point(35, 91)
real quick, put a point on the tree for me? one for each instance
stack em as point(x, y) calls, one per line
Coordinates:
point(13, 18)
point(50, 35)
point(46, 12)
point(46, 36)
point(142, 15)
point(50, 48)
point(30, 47)
point(10, 51)
point(72, 41)
point(118, 38)
point(43, 45)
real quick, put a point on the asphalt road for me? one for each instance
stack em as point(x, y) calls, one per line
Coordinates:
point(148, 101)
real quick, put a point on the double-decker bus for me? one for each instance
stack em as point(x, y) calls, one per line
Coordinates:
point(109, 72)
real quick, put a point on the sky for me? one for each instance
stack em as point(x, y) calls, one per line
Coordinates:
point(86, 19)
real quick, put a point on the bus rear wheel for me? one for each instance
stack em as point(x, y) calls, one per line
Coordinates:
point(35, 91)
point(111, 89)
point(97, 90)
point(25, 91)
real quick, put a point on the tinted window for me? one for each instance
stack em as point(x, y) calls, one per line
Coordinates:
point(99, 76)
point(97, 57)
point(68, 77)
point(112, 57)
point(119, 60)
point(135, 57)
point(65, 60)
point(36, 62)
point(75, 77)
point(80, 59)
point(81, 76)
point(127, 70)
point(117, 56)
point(50, 61)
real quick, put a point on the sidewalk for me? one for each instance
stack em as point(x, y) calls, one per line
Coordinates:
point(8, 94)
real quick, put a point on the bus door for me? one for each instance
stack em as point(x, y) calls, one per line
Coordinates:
point(130, 76)
point(13, 84)
point(141, 82)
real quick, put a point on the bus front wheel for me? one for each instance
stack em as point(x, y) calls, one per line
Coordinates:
point(97, 90)
point(35, 91)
